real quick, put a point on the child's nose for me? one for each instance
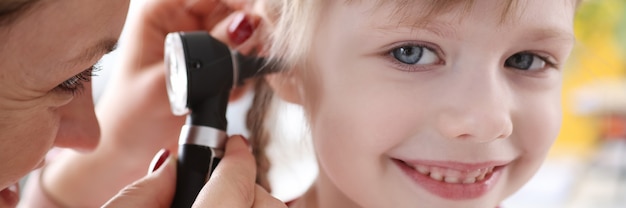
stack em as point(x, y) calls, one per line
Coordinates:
point(479, 111)
point(79, 127)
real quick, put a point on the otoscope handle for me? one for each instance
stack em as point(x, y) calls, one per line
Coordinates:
point(200, 151)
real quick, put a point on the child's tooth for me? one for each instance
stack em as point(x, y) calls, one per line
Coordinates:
point(452, 180)
point(481, 177)
point(453, 173)
point(469, 180)
point(436, 175)
point(474, 174)
point(490, 170)
point(422, 169)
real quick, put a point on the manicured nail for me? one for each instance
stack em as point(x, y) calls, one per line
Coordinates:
point(240, 29)
point(245, 140)
point(159, 159)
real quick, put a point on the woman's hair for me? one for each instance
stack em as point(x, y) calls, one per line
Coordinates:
point(292, 24)
point(11, 9)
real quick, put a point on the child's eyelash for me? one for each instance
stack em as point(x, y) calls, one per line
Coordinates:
point(550, 62)
point(76, 83)
point(428, 51)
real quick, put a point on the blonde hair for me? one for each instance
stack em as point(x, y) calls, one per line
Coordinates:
point(292, 24)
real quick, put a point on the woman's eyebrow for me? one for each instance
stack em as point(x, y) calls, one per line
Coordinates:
point(102, 47)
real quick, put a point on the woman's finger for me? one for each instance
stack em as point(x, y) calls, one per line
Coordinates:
point(154, 190)
point(232, 184)
point(238, 31)
point(207, 7)
point(220, 11)
point(211, 12)
point(262, 199)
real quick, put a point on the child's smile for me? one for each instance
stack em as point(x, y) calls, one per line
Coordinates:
point(454, 180)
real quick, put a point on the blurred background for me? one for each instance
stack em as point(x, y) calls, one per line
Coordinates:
point(587, 165)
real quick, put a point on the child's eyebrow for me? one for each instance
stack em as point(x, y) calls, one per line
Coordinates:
point(443, 30)
point(447, 31)
point(551, 33)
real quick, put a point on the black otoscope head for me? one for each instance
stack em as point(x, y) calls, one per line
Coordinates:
point(210, 70)
point(200, 72)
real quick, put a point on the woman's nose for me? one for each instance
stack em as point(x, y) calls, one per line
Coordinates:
point(478, 111)
point(79, 127)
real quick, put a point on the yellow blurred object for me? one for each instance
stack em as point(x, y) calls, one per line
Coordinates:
point(599, 54)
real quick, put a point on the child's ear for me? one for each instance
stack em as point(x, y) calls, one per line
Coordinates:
point(239, 91)
point(286, 86)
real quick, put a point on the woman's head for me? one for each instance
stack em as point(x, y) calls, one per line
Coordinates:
point(404, 95)
point(47, 49)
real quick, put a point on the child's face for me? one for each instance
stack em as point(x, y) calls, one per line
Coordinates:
point(479, 108)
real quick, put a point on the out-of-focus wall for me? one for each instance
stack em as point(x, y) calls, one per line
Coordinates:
point(598, 58)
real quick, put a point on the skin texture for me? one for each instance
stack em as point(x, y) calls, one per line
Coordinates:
point(35, 57)
point(463, 104)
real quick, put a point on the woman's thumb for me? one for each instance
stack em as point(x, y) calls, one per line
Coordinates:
point(154, 190)
point(232, 184)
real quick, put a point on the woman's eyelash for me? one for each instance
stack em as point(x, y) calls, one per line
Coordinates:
point(76, 83)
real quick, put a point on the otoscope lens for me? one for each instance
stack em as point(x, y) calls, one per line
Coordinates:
point(176, 73)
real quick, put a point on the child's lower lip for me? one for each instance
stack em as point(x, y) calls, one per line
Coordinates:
point(458, 191)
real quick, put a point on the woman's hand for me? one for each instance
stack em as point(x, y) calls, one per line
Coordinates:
point(231, 185)
point(134, 112)
point(233, 182)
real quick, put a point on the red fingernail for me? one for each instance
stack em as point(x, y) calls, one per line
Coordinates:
point(240, 29)
point(159, 159)
point(245, 140)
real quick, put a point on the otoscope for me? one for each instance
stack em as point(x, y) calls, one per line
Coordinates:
point(200, 72)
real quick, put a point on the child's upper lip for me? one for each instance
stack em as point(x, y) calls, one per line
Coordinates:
point(457, 165)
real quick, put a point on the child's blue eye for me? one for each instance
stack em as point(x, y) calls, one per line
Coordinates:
point(415, 55)
point(525, 61)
